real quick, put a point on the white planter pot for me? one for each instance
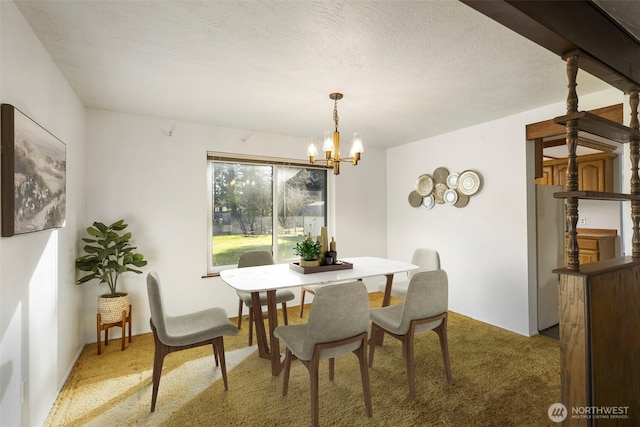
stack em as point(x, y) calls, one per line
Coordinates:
point(111, 308)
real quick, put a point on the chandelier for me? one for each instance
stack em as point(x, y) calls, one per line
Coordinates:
point(331, 146)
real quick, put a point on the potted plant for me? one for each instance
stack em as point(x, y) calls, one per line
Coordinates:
point(108, 255)
point(308, 251)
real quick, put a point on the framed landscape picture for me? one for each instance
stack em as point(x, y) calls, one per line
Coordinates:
point(33, 177)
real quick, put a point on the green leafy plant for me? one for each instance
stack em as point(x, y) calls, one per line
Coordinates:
point(308, 250)
point(108, 255)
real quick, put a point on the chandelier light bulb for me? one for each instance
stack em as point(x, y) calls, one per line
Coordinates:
point(312, 151)
point(328, 147)
point(356, 145)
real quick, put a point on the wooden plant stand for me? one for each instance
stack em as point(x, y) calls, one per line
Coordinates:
point(105, 327)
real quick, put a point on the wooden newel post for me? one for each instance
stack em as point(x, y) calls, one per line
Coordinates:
point(634, 148)
point(573, 262)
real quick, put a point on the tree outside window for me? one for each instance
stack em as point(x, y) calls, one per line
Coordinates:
point(243, 200)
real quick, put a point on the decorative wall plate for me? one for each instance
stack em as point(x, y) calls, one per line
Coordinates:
point(438, 192)
point(429, 201)
point(452, 180)
point(424, 185)
point(469, 183)
point(445, 188)
point(450, 196)
point(440, 175)
point(462, 201)
point(415, 199)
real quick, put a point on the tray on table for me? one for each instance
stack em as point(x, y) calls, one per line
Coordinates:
point(339, 265)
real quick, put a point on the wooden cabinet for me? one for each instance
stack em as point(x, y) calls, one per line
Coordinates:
point(595, 172)
point(589, 249)
point(595, 175)
point(547, 176)
point(599, 321)
point(560, 173)
point(596, 244)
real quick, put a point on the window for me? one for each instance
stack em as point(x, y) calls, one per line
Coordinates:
point(267, 205)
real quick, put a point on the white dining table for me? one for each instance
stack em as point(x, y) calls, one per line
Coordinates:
point(270, 278)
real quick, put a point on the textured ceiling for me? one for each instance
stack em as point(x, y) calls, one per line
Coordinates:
point(408, 69)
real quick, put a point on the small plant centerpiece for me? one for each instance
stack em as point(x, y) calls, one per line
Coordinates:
point(309, 252)
point(108, 255)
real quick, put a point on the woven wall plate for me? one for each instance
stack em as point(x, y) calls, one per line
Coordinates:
point(440, 175)
point(462, 201)
point(438, 192)
point(415, 199)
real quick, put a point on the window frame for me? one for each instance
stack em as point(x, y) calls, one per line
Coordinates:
point(275, 162)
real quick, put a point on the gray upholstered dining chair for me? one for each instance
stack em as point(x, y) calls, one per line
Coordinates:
point(175, 333)
point(424, 309)
point(426, 259)
point(312, 289)
point(255, 258)
point(338, 324)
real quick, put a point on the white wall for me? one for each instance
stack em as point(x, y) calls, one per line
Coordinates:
point(157, 183)
point(136, 171)
point(483, 245)
point(39, 319)
point(487, 247)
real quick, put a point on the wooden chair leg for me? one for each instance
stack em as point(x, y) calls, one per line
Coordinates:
point(315, 399)
point(239, 313)
point(284, 313)
point(251, 322)
point(332, 365)
point(377, 335)
point(99, 334)
point(375, 331)
point(302, 292)
point(407, 345)
point(218, 346)
point(444, 346)
point(364, 374)
point(287, 369)
point(215, 354)
point(106, 336)
point(160, 352)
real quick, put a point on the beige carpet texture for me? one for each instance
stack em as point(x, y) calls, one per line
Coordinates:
point(499, 379)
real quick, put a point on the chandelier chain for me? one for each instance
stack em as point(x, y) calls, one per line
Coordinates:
point(335, 113)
